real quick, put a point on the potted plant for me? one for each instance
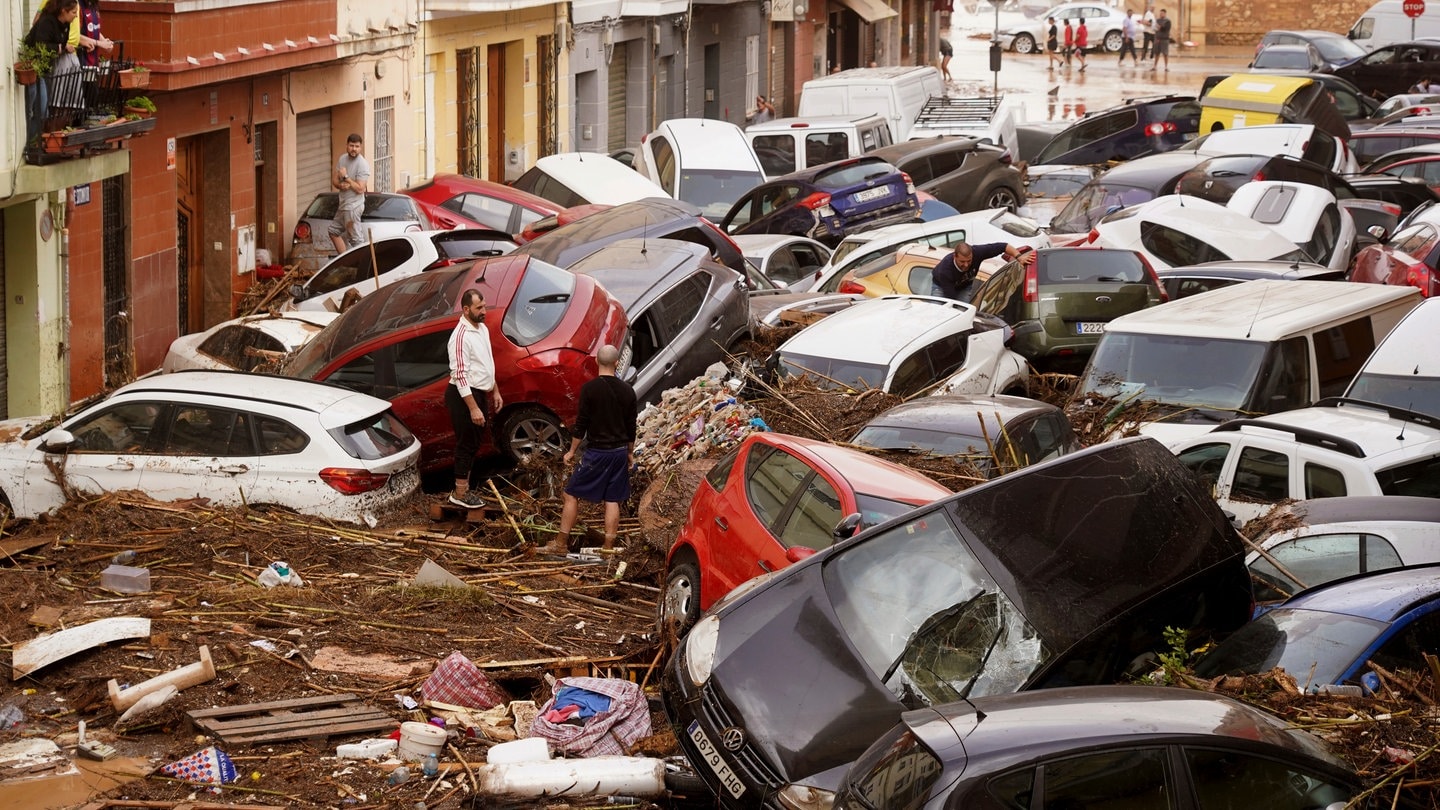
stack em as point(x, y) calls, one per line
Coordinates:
point(138, 76)
point(140, 106)
point(32, 62)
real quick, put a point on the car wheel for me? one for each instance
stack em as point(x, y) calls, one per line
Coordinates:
point(528, 431)
point(1000, 196)
point(1024, 43)
point(1113, 41)
point(680, 603)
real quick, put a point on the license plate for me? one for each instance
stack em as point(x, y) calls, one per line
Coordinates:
point(870, 194)
point(711, 755)
point(1089, 328)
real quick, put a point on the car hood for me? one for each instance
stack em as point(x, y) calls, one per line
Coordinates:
point(19, 429)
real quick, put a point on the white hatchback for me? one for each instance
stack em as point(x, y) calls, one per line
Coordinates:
point(229, 437)
point(1307, 215)
point(1178, 230)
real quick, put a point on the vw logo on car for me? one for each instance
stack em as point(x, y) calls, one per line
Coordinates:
point(732, 738)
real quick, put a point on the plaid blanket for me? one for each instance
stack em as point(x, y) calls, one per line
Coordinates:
point(607, 733)
point(457, 680)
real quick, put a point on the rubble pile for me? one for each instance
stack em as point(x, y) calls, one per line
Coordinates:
point(700, 420)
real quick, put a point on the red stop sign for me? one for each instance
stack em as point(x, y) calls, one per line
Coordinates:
point(1413, 8)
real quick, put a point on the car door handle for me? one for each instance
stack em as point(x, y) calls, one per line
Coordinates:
point(120, 465)
point(722, 523)
point(234, 469)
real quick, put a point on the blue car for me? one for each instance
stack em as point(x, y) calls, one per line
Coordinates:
point(1326, 636)
point(828, 202)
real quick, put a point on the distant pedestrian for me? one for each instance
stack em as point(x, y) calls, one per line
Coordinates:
point(947, 52)
point(1127, 38)
point(1082, 41)
point(471, 398)
point(352, 173)
point(763, 111)
point(1052, 42)
point(1147, 30)
point(606, 421)
point(1162, 40)
point(1069, 42)
point(954, 276)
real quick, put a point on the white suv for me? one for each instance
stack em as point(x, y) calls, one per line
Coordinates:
point(1336, 447)
point(904, 344)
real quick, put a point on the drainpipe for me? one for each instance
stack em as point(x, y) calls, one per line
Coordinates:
point(689, 18)
point(64, 346)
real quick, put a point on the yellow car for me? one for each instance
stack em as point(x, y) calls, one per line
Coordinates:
point(906, 273)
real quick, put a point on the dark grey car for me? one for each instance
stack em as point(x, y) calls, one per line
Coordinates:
point(686, 310)
point(969, 174)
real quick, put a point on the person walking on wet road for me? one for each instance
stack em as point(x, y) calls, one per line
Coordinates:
point(1082, 41)
point(1069, 42)
point(1127, 39)
point(947, 52)
point(1147, 30)
point(1052, 42)
point(1162, 40)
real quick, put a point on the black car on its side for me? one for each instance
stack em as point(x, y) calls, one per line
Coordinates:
point(967, 173)
point(1061, 573)
point(1393, 68)
point(827, 202)
point(1135, 127)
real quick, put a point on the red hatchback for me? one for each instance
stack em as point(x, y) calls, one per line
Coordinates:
point(774, 500)
point(391, 344)
point(457, 201)
point(1411, 257)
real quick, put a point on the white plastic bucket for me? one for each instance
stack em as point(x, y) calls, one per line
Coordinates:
point(530, 749)
point(419, 740)
point(596, 776)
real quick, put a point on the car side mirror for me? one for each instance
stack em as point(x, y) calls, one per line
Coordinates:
point(797, 553)
point(1377, 231)
point(297, 292)
point(848, 527)
point(1028, 328)
point(58, 441)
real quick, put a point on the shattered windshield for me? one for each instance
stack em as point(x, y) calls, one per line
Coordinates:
point(943, 632)
point(1216, 378)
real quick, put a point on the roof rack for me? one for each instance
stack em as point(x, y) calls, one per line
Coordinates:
point(1423, 419)
point(1303, 435)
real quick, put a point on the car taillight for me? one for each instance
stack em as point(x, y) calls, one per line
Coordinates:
point(1007, 159)
point(1260, 175)
point(1032, 283)
point(439, 263)
point(1392, 209)
point(1160, 128)
point(815, 201)
point(909, 184)
point(851, 287)
point(353, 482)
point(1154, 278)
point(302, 231)
point(1419, 277)
point(1094, 234)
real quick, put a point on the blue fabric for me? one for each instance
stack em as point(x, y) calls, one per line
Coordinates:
point(590, 703)
point(602, 476)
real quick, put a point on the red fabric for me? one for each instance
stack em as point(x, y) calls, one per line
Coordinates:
point(608, 733)
point(1082, 35)
point(458, 681)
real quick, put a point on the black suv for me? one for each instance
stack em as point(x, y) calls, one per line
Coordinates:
point(1139, 126)
point(969, 174)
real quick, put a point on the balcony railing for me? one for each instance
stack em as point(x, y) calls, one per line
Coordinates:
point(86, 113)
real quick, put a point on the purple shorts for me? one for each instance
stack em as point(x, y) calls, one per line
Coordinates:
point(603, 476)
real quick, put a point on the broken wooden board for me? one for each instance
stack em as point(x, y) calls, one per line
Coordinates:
point(45, 650)
point(11, 546)
point(294, 719)
point(127, 804)
point(374, 665)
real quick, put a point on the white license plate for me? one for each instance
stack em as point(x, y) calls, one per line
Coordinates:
point(870, 194)
point(711, 755)
point(1090, 328)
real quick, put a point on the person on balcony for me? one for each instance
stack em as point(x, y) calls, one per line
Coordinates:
point(51, 31)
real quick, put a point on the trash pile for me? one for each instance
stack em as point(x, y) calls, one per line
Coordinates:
point(700, 420)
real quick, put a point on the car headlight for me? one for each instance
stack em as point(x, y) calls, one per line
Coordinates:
point(803, 797)
point(700, 646)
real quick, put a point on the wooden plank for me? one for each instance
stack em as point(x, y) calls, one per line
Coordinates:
point(42, 651)
point(291, 703)
point(295, 719)
point(305, 733)
point(288, 720)
point(11, 546)
point(124, 804)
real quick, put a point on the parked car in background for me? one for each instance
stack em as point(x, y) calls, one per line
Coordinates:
point(367, 268)
point(968, 174)
point(1296, 140)
point(1318, 541)
point(784, 259)
point(828, 202)
point(1326, 636)
point(1183, 282)
point(1135, 127)
point(1404, 194)
point(903, 345)
point(706, 162)
point(458, 201)
point(1335, 447)
point(545, 325)
point(1177, 230)
point(1083, 746)
point(1060, 304)
point(786, 145)
point(1393, 68)
point(1307, 215)
point(1425, 169)
point(686, 310)
point(251, 343)
point(1334, 49)
point(1371, 145)
point(1409, 258)
point(1130, 183)
point(569, 179)
point(1396, 109)
point(235, 439)
point(998, 596)
point(1286, 58)
point(1103, 21)
point(774, 500)
point(1403, 372)
point(650, 218)
point(383, 215)
point(1048, 189)
point(995, 434)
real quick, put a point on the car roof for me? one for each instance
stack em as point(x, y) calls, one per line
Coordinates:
point(962, 414)
point(652, 214)
point(1248, 269)
point(1178, 212)
point(1397, 355)
point(460, 183)
point(1381, 596)
point(335, 406)
point(867, 474)
point(939, 143)
point(632, 268)
point(822, 122)
point(1372, 431)
point(914, 230)
point(1262, 310)
point(875, 330)
point(1256, 139)
point(1364, 509)
point(1151, 170)
point(809, 173)
point(706, 134)
point(597, 177)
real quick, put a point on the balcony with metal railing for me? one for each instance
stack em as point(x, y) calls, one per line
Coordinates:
point(83, 112)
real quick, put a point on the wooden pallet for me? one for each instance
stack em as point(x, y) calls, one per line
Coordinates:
point(295, 719)
point(449, 511)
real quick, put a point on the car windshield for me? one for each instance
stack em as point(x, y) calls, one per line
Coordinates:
point(1282, 58)
point(939, 442)
point(539, 304)
point(948, 633)
point(1337, 49)
point(1057, 184)
point(1419, 394)
point(1091, 266)
point(833, 372)
point(713, 191)
point(852, 174)
point(1097, 199)
point(845, 248)
point(1313, 646)
point(1214, 378)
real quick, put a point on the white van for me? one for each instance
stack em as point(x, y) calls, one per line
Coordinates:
point(787, 145)
point(705, 162)
point(896, 93)
point(1404, 370)
point(586, 178)
point(1247, 349)
point(1385, 23)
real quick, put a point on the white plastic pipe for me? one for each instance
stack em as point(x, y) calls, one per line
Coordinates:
point(184, 677)
point(597, 776)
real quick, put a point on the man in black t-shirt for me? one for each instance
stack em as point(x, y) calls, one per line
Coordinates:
point(606, 421)
point(953, 275)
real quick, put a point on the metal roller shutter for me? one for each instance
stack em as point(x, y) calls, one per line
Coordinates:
point(4, 362)
point(617, 137)
point(313, 161)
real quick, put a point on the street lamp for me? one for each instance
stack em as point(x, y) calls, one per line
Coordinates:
point(995, 48)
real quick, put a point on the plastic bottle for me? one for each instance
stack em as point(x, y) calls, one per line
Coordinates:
point(10, 717)
point(399, 776)
point(125, 557)
point(431, 765)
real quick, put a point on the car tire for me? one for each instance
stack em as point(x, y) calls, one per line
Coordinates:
point(528, 430)
point(1024, 43)
point(1113, 40)
point(680, 601)
point(1000, 196)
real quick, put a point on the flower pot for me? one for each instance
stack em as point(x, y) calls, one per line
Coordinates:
point(140, 111)
point(24, 74)
point(130, 79)
point(53, 142)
